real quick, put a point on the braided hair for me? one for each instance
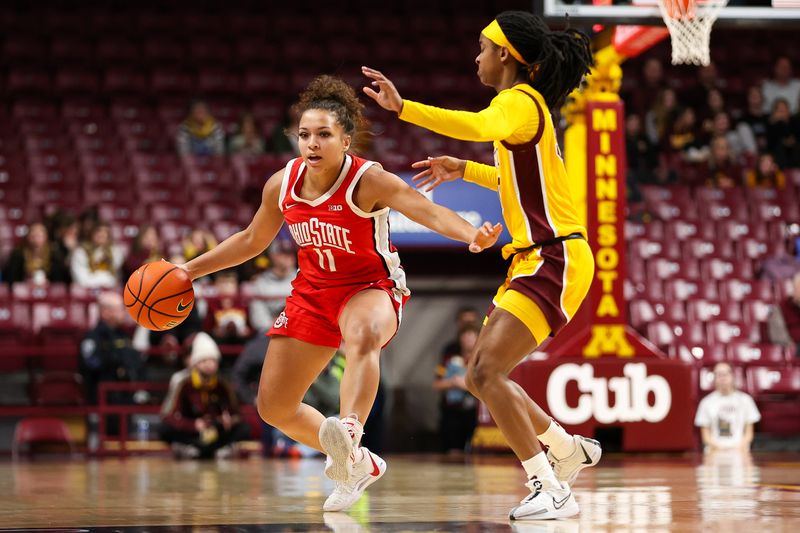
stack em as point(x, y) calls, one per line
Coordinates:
point(556, 60)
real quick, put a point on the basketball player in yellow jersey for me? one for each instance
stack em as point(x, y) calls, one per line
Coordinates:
point(533, 70)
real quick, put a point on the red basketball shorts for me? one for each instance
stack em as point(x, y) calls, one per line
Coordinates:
point(312, 314)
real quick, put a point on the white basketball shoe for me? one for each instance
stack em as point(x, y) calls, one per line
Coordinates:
point(587, 453)
point(362, 474)
point(545, 503)
point(340, 440)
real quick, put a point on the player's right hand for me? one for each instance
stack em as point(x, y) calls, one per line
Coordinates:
point(485, 237)
point(438, 170)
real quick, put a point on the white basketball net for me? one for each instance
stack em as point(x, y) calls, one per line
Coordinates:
point(689, 24)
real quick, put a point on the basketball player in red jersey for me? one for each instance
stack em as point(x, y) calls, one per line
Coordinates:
point(350, 284)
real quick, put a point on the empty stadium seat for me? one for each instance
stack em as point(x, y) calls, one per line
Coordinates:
point(57, 388)
point(776, 391)
point(679, 230)
point(701, 310)
point(719, 268)
point(760, 354)
point(703, 355)
point(727, 331)
point(664, 334)
point(666, 268)
point(31, 293)
point(39, 430)
point(740, 290)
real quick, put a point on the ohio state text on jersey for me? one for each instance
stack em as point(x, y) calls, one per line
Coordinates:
point(339, 243)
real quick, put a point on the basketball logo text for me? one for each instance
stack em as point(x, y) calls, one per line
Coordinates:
point(631, 395)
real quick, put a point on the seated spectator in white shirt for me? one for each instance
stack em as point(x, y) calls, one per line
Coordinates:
point(97, 263)
point(726, 416)
point(783, 86)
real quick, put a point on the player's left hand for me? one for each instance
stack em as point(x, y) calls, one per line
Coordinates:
point(485, 237)
point(387, 95)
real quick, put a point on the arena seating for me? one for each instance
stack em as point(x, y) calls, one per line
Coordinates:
point(90, 107)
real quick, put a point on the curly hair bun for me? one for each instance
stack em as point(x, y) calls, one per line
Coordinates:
point(332, 94)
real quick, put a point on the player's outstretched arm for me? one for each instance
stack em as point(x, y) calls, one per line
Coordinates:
point(444, 168)
point(247, 243)
point(507, 113)
point(378, 189)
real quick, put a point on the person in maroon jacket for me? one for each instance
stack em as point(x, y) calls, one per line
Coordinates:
point(201, 420)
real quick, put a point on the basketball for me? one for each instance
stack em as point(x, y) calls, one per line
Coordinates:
point(159, 295)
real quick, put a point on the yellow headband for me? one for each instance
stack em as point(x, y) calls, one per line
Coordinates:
point(496, 35)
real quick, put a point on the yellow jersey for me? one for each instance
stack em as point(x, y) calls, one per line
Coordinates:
point(529, 174)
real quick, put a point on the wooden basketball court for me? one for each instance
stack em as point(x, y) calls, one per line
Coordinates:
point(650, 494)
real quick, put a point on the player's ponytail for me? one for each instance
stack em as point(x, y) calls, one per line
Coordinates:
point(555, 61)
point(332, 94)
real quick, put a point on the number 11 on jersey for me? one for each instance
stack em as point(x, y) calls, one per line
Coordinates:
point(327, 255)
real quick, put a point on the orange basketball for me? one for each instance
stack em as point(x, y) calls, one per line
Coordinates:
point(159, 295)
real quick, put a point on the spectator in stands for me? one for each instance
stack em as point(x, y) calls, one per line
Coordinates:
point(200, 133)
point(96, 262)
point(465, 316)
point(783, 321)
point(36, 259)
point(766, 173)
point(63, 230)
point(652, 81)
point(714, 104)
point(176, 378)
point(458, 408)
point(106, 351)
point(782, 137)
point(683, 136)
point(271, 287)
point(741, 141)
point(88, 219)
point(202, 419)
point(755, 117)
point(247, 141)
point(198, 242)
point(641, 154)
point(659, 117)
point(246, 370)
point(782, 87)
point(786, 263)
point(723, 170)
point(284, 136)
point(708, 79)
point(146, 249)
point(226, 317)
point(726, 416)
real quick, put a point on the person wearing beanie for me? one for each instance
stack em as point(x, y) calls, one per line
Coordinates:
point(201, 419)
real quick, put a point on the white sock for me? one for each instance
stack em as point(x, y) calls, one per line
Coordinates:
point(559, 441)
point(538, 467)
point(356, 430)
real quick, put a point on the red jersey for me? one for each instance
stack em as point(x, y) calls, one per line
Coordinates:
point(339, 244)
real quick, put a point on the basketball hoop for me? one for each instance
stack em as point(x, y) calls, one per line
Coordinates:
point(689, 23)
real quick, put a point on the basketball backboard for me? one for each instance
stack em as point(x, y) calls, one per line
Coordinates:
point(607, 12)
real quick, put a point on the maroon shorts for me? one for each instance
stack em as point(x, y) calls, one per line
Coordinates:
point(312, 315)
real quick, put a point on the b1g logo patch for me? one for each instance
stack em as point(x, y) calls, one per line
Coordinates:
point(281, 321)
